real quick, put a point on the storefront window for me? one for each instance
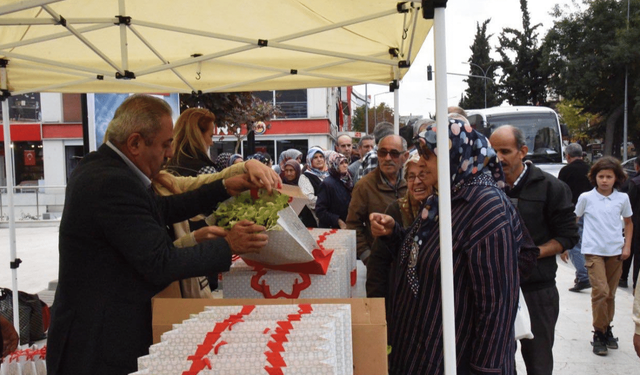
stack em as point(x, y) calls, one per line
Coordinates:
point(25, 108)
point(28, 162)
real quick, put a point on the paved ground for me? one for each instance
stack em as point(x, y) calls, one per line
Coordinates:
point(38, 249)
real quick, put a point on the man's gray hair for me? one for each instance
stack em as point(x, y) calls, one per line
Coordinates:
point(366, 137)
point(517, 134)
point(404, 141)
point(422, 123)
point(382, 130)
point(138, 113)
point(574, 150)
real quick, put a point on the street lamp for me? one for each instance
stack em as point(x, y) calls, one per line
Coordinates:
point(484, 76)
point(375, 116)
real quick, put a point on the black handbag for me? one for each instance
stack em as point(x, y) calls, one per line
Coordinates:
point(30, 310)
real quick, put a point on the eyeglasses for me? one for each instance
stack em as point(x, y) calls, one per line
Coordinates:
point(420, 176)
point(382, 153)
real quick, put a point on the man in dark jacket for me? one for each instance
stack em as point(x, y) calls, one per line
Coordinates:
point(115, 252)
point(545, 205)
point(377, 190)
point(574, 175)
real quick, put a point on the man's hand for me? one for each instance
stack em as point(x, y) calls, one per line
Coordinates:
point(245, 237)
point(565, 256)
point(381, 224)
point(208, 233)
point(262, 176)
point(636, 343)
point(9, 337)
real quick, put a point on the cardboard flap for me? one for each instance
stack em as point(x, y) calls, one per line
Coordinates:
point(298, 199)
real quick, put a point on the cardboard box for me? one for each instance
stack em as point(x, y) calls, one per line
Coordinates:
point(343, 240)
point(368, 323)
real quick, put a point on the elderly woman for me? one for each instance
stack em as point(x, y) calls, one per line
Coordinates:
point(191, 141)
point(311, 179)
point(405, 211)
point(334, 195)
point(487, 234)
point(285, 156)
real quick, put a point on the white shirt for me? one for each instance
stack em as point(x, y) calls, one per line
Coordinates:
point(603, 226)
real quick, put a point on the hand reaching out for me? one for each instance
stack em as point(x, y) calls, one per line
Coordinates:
point(208, 233)
point(262, 176)
point(246, 237)
point(381, 224)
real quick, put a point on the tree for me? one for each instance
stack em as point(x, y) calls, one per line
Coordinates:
point(523, 81)
point(381, 113)
point(475, 93)
point(586, 53)
point(232, 110)
point(579, 122)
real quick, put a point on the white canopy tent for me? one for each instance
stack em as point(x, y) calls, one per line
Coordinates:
point(200, 46)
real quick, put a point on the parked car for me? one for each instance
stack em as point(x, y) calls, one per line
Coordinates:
point(629, 167)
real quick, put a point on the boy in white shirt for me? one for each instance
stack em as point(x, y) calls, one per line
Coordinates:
point(603, 245)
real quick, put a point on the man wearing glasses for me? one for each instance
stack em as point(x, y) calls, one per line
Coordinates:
point(376, 190)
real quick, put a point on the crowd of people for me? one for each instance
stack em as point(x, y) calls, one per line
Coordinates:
point(133, 222)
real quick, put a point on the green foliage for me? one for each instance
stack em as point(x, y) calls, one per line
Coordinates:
point(262, 211)
point(579, 121)
point(381, 113)
point(586, 53)
point(523, 80)
point(475, 94)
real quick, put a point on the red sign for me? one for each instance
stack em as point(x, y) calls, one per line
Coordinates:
point(29, 157)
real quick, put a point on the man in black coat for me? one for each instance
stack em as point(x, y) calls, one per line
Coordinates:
point(545, 205)
point(115, 253)
point(574, 175)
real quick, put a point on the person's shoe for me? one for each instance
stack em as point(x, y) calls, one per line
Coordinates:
point(623, 283)
point(580, 285)
point(612, 342)
point(599, 343)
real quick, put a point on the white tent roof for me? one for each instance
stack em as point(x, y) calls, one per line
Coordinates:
point(81, 45)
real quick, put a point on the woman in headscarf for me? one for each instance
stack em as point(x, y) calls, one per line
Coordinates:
point(334, 194)
point(191, 141)
point(311, 179)
point(227, 159)
point(291, 172)
point(264, 158)
point(290, 176)
point(487, 234)
point(405, 211)
point(285, 156)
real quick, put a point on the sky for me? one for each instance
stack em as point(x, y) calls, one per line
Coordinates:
point(417, 95)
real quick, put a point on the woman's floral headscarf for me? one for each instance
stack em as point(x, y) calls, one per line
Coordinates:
point(334, 161)
point(310, 154)
point(472, 161)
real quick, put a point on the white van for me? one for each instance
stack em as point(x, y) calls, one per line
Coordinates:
point(540, 126)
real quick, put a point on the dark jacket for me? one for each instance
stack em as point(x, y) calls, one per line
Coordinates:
point(545, 205)
point(115, 255)
point(574, 175)
point(333, 203)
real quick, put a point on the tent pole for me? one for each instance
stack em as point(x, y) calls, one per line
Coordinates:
point(444, 190)
point(8, 162)
point(396, 111)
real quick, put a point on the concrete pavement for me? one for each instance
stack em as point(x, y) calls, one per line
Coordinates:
point(38, 249)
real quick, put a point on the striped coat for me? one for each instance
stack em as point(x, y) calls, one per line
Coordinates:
point(486, 239)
